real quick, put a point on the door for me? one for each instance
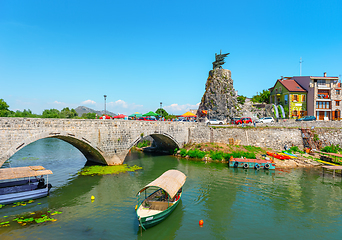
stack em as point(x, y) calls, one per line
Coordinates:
point(321, 115)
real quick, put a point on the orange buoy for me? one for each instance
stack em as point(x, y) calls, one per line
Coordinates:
point(200, 222)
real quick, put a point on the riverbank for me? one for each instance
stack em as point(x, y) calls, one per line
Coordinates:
point(219, 152)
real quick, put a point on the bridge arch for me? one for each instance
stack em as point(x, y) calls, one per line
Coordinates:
point(91, 153)
point(163, 141)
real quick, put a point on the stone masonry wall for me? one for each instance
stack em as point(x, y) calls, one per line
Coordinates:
point(260, 137)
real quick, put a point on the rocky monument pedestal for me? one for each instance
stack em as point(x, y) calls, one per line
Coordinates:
point(220, 99)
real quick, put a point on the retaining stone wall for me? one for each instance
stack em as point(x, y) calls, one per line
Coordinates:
point(261, 137)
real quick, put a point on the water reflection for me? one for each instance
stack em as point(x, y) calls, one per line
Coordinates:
point(233, 203)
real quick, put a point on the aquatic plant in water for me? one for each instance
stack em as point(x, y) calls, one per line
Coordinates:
point(104, 170)
point(31, 218)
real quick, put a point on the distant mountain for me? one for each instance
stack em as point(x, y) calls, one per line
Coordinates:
point(82, 109)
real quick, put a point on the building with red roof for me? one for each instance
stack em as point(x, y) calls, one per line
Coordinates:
point(318, 96)
point(289, 94)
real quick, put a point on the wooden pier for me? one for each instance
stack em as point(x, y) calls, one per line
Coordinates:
point(334, 168)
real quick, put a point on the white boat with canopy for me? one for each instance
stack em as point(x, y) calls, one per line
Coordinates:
point(160, 203)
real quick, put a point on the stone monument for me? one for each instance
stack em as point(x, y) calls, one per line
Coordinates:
point(220, 99)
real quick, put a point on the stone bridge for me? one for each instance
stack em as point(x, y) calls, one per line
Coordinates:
point(101, 141)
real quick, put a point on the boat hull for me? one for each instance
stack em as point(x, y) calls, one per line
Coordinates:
point(251, 163)
point(153, 220)
point(23, 196)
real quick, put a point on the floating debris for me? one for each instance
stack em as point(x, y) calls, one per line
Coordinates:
point(104, 170)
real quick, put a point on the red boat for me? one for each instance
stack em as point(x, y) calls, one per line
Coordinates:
point(276, 155)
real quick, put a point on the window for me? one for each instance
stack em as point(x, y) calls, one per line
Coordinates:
point(337, 103)
point(295, 98)
point(321, 82)
point(276, 90)
point(286, 99)
point(294, 113)
point(303, 98)
point(338, 92)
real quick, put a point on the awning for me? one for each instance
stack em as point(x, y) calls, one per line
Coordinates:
point(21, 172)
point(170, 181)
point(150, 114)
point(120, 116)
point(105, 117)
point(137, 115)
point(188, 114)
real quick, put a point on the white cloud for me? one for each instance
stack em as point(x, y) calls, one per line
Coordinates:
point(175, 108)
point(122, 104)
point(59, 103)
point(89, 102)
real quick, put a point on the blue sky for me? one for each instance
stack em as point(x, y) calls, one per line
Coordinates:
point(56, 54)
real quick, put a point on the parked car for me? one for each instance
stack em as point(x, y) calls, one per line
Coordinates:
point(266, 120)
point(244, 120)
point(307, 118)
point(214, 122)
point(233, 120)
point(147, 119)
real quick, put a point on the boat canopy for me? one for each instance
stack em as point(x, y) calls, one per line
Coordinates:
point(21, 172)
point(170, 181)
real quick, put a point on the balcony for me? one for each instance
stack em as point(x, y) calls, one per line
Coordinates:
point(323, 85)
point(323, 97)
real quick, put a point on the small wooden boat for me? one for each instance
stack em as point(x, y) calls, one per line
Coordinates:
point(17, 184)
point(276, 155)
point(287, 155)
point(159, 205)
point(290, 154)
point(251, 163)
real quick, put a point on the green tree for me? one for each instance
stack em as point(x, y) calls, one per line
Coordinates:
point(4, 112)
point(264, 96)
point(162, 112)
point(51, 113)
point(67, 113)
point(241, 99)
point(89, 115)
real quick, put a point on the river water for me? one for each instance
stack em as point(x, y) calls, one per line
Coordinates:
point(233, 203)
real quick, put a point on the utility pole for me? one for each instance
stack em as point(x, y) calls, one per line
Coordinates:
point(300, 67)
point(105, 96)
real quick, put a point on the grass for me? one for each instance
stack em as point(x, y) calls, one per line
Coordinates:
point(216, 155)
point(105, 170)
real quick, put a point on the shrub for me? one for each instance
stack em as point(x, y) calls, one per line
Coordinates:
point(196, 153)
point(316, 138)
point(216, 155)
point(332, 148)
point(144, 143)
point(295, 149)
point(183, 152)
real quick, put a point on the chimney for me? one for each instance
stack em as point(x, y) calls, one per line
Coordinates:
point(325, 74)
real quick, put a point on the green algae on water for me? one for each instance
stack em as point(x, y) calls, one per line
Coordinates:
point(104, 170)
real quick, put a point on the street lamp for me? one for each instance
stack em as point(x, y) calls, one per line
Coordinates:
point(161, 104)
point(105, 96)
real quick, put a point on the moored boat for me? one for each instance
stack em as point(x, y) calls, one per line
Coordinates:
point(251, 163)
point(276, 155)
point(159, 204)
point(22, 184)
